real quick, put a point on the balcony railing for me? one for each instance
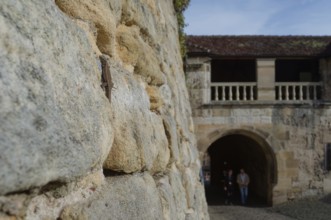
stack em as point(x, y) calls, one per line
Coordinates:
point(284, 91)
point(298, 91)
point(236, 91)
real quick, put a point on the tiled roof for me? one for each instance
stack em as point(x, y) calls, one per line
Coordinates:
point(259, 46)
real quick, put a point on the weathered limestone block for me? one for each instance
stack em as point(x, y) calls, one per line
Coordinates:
point(50, 200)
point(162, 159)
point(196, 97)
point(183, 113)
point(188, 154)
point(327, 184)
point(128, 45)
point(91, 33)
point(13, 205)
point(179, 193)
point(140, 140)
point(171, 132)
point(101, 13)
point(185, 154)
point(140, 57)
point(167, 198)
point(155, 99)
point(292, 173)
point(283, 183)
point(149, 16)
point(201, 207)
point(280, 133)
point(189, 181)
point(56, 123)
point(145, 26)
point(168, 105)
point(121, 197)
point(54, 118)
point(194, 191)
point(292, 163)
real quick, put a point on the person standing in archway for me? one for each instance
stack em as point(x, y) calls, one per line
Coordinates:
point(228, 187)
point(243, 181)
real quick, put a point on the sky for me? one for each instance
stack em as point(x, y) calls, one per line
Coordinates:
point(258, 17)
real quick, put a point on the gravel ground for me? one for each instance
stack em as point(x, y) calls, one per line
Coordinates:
point(316, 208)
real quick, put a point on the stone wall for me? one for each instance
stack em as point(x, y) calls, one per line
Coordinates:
point(296, 135)
point(70, 152)
point(292, 135)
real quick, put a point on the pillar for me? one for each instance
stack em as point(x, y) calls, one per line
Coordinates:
point(266, 79)
point(325, 71)
point(198, 73)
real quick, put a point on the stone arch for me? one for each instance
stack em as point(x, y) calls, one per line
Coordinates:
point(259, 150)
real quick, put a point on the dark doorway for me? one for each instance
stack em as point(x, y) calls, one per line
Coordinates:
point(237, 151)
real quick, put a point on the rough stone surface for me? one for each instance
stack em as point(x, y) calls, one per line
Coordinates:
point(125, 197)
point(292, 133)
point(167, 198)
point(58, 129)
point(297, 142)
point(54, 118)
point(50, 201)
point(98, 13)
point(134, 148)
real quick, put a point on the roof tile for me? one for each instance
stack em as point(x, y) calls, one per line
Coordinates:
point(260, 46)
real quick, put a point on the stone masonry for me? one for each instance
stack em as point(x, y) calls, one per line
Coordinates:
point(95, 119)
point(293, 135)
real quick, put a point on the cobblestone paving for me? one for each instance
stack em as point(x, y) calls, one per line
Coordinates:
point(316, 208)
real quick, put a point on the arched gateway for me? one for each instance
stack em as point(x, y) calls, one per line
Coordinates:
point(237, 149)
point(279, 102)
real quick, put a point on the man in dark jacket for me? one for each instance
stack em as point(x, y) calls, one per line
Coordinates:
point(228, 187)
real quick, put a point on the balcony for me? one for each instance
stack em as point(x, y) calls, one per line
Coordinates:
point(236, 91)
point(298, 91)
point(285, 92)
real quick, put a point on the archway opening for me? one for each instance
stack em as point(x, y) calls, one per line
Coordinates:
point(236, 151)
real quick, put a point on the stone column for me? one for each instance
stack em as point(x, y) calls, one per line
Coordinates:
point(266, 79)
point(198, 75)
point(325, 71)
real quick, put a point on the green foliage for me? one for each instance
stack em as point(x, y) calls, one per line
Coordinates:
point(180, 7)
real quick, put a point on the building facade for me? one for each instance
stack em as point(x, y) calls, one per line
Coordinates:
point(263, 103)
